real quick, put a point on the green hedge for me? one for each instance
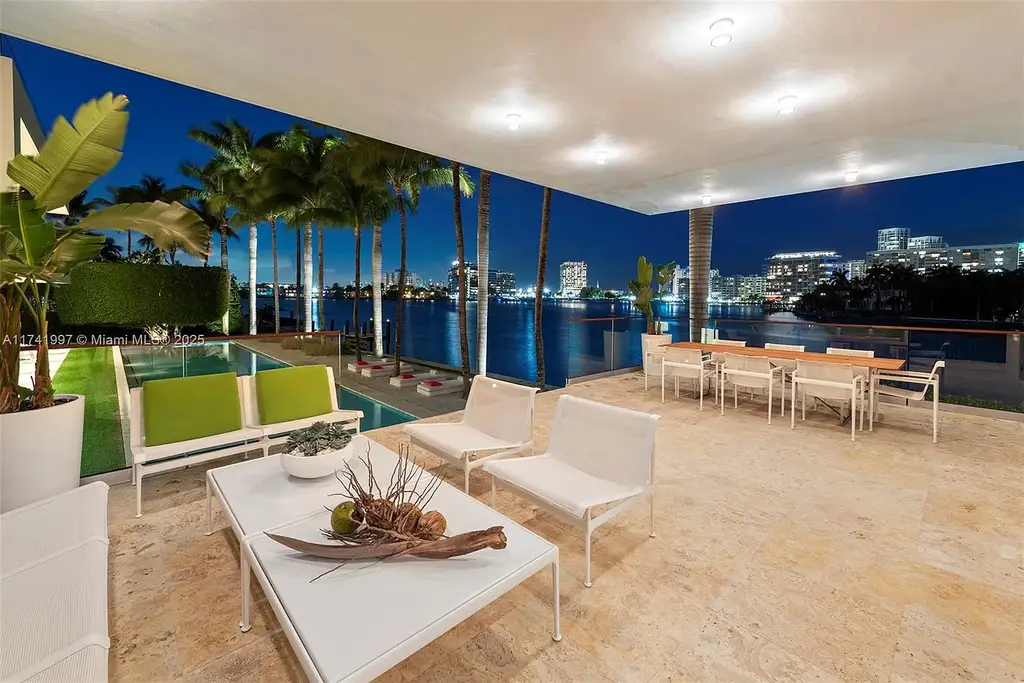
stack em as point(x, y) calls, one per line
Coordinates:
point(142, 295)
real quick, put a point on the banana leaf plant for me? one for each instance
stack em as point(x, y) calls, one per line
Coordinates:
point(35, 254)
point(648, 285)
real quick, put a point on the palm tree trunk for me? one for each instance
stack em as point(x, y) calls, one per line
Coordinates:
point(483, 265)
point(460, 255)
point(320, 277)
point(224, 265)
point(307, 277)
point(378, 307)
point(129, 242)
point(252, 277)
point(277, 298)
point(298, 279)
point(542, 265)
point(355, 299)
point(401, 286)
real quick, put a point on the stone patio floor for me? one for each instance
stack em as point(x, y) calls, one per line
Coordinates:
point(780, 556)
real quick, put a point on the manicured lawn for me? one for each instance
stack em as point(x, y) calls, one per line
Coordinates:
point(90, 372)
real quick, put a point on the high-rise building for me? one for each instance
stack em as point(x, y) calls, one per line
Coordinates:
point(573, 277)
point(789, 276)
point(926, 242)
point(390, 279)
point(501, 282)
point(981, 257)
point(856, 268)
point(891, 239)
point(734, 289)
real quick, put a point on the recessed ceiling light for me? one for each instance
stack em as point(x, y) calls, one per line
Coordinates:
point(705, 200)
point(851, 176)
point(787, 104)
point(720, 32)
point(513, 121)
point(601, 157)
point(722, 25)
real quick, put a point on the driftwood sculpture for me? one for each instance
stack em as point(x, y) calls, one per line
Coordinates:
point(378, 522)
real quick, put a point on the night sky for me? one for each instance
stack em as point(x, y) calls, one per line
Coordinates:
point(979, 206)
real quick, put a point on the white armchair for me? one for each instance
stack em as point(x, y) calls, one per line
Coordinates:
point(688, 364)
point(752, 373)
point(598, 454)
point(828, 382)
point(925, 380)
point(498, 421)
point(654, 352)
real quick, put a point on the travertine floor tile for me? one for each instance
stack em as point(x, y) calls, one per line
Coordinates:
point(782, 556)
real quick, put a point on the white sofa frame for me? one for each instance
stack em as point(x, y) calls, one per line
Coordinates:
point(185, 454)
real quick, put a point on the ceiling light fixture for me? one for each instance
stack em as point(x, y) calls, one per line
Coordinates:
point(705, 200)
point(513, 121)
point(851, 176)
point(720, 32)
point(787, 104)
point(601, 157)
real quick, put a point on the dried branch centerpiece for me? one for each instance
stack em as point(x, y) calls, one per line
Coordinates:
point(391, 521)
point(316, 451)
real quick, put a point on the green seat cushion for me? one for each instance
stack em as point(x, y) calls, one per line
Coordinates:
point(293, 393)
point(175, 410)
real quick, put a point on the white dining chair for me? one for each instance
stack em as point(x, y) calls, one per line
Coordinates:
point(654, 351)
point(755, 373)
point(925, 380)
point(866, 396)
point(688, 364)
point(827, 382)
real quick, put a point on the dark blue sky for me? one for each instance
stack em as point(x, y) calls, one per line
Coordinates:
point(968, 207)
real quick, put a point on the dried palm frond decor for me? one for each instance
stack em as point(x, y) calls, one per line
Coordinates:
point(379, 522)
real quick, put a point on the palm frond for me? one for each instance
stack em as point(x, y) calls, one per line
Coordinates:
point(168, 225)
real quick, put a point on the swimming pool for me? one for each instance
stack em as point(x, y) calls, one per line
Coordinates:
point(143, 363)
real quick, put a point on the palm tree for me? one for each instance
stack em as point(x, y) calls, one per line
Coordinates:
point(150, 188)
point(542, 265)
point(483, 265)
point(237, 155)
point(302, 177)
point(405, 172)
point(79, 207)
point(460, 255)
point(377, 214)
point(211, 220)
point(217, 190)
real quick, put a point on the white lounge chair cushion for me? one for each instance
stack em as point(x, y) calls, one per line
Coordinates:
point(560, 484)
point(456, 439)
point(39, 531)
point(292, 425)
point(52, 610)
point(86, 664)
point(170, 450)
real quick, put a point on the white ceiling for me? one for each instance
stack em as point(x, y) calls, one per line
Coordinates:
point(890, 89)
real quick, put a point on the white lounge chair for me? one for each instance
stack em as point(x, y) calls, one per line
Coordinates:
point(185, 421)
point(279, 401)
point(383, 369)
point(440, 386)
point(498, 421)
point(53, 590)
point(409, 379)
point(925, 380)
point(598, 455)
point(358, 365)
point(751, 373)
point(827, 382)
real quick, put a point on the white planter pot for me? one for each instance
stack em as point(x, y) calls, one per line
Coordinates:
point(40, 452)
point(315, 466)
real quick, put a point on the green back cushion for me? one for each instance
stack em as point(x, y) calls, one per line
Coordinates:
point(186, 408)
point(292, 393)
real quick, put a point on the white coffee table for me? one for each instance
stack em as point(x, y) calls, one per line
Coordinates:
point(402, 604)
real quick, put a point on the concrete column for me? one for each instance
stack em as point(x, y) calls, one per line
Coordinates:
point(701, 221)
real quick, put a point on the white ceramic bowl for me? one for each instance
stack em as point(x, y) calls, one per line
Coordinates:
point(315, 466)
